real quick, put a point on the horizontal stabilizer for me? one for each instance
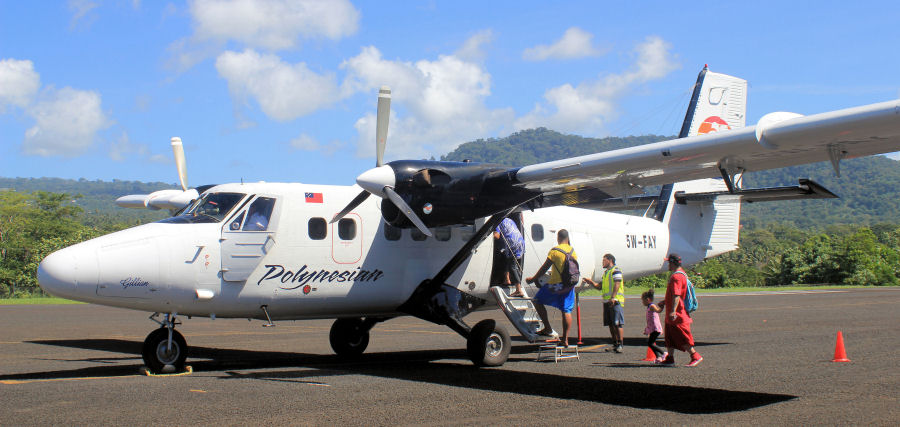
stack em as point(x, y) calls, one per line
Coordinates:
point(807, 189)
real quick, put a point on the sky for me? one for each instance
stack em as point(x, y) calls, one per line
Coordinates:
point(285, 90)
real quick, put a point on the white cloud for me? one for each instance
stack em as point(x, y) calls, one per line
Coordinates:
point(304, 142)
point(18, 83)
point(273, 24)
point(66, 122)
point(161, 159)
point(123, 147)
point(443, 99)
point(283, 91)
point(575, 43)
point(586, 108)
point(471, 50)
point(80, 12)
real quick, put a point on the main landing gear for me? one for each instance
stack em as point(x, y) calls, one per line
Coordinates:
point(488, 344)
point(165, 349)
point(349, 337)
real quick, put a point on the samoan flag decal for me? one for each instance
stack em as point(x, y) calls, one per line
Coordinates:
point(313, 197)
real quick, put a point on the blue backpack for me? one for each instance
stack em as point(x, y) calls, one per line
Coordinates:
point(690, 297)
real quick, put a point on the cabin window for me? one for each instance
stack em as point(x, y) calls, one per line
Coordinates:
point(236, 224)
point(442, 234)
point(417, 235)
point(318, 228)
point(259, 214)
point(467, 232)
point(537, 232)
point(347, 229)
point(392, 233)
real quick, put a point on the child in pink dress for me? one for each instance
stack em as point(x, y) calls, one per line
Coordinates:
point(654, 328)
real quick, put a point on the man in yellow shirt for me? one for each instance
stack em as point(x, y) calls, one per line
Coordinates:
point(553, 293)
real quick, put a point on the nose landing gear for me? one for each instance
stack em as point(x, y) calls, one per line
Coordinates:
point(165, 349)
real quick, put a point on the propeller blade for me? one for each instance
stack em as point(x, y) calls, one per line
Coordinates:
point(350, 206)
point(398, 201)
point(178, 150)
point(381, 123)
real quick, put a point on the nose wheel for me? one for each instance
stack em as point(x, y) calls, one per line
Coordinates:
point(165, 349)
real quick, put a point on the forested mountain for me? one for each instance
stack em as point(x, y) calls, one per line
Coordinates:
point(868, 188)
point(97, 198)
point(852, 240)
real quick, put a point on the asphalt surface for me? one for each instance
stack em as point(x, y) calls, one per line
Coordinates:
point(767, 360)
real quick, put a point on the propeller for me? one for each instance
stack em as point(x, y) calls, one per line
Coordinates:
point(178, 151)
point(172, 200)
point(380, 180)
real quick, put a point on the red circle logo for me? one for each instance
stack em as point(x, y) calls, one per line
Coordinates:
point(712, 124)
point(306, 290)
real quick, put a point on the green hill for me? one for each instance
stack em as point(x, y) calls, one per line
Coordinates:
point(868, 188)
point(97, 197)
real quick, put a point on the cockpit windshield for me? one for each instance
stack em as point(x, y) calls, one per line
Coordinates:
point(211, 207)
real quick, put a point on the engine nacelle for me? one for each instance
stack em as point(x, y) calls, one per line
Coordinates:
point(451, 193)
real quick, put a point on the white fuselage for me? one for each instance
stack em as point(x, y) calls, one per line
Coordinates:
point(354, 270)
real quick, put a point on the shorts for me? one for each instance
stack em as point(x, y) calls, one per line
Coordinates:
point(613, 315)
point(564, 302)
point(512, 266)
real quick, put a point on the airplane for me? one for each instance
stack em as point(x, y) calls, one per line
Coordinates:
point(421, 247)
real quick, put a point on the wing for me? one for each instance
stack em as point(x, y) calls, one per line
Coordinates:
point(778, 140)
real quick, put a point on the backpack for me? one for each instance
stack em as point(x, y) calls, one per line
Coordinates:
point(690, 297)
point(570, 274)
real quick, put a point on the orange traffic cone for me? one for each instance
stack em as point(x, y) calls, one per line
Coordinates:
point(839, 354)
point(651, 356)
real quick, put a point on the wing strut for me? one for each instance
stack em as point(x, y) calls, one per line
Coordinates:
point(440, 303)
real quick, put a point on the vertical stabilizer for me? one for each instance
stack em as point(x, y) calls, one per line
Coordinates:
point(706, 229)
point(718, 103)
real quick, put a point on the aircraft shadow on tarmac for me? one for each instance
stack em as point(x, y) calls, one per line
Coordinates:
point(419, 366)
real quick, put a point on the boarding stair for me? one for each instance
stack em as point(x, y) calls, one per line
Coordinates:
point(521, 313)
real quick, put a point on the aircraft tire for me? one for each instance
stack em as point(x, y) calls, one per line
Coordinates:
point(488, 344)
point(348, 338)
point(155, 356)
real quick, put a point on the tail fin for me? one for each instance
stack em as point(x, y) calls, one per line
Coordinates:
point(719, 102)
point(705, 229)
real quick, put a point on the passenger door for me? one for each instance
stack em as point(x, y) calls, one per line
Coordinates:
point(248, 237)
point(346, 239)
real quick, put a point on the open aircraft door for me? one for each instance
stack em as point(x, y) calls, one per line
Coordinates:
point(248, 237)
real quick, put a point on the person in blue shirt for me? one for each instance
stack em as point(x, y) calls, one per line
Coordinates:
point(512, 245)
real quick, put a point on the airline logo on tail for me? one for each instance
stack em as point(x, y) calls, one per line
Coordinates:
point(712, 124)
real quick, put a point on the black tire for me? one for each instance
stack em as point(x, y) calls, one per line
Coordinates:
point(348, 337)
point(488, 344)
point(155, 356)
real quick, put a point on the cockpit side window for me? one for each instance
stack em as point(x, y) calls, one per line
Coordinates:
point(212, 207)
point(259, 214)
point(236, 224)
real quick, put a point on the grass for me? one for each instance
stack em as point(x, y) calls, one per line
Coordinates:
point(36, 301)
point(629, 290)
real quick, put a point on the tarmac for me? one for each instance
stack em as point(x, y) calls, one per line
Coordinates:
point(767, 360)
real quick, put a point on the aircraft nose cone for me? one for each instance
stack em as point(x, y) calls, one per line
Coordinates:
point(375, 179)
point(56, 273)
